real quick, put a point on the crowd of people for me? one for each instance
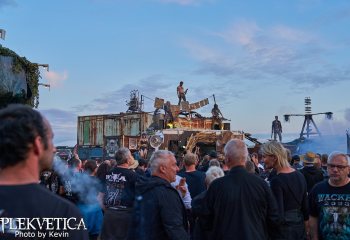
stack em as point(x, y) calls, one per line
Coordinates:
point(234, 195)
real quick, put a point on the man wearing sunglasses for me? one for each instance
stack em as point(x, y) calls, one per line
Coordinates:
point(330, 201)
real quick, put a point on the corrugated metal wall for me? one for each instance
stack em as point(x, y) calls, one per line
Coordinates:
point(92, 130)
point(112, 127)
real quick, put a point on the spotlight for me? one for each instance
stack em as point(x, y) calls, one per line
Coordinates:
point(329, 115)
point(286, 118)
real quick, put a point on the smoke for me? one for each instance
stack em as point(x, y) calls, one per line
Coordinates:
point(325, 144)
point(335, 126)
point(333, 136)
point(85, 186)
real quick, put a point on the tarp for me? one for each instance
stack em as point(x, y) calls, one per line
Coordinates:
point(11, 82)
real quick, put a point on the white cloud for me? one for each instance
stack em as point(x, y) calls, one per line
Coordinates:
point(56, 79)
point(202, 52)
point(249, 52)
point(243, 32)
point(115, 101)
point(291, 34)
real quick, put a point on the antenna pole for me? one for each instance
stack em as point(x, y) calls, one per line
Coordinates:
point(306, 130)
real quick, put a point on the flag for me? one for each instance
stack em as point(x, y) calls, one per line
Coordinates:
point(158, 103)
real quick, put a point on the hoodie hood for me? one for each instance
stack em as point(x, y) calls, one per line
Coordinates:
point(145, 184)
point(312, 170)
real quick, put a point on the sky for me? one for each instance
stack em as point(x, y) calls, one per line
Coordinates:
point(259, 58)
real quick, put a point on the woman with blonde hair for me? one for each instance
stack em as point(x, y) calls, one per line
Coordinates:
point(290, 190)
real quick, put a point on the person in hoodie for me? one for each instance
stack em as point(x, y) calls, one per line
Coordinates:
point(312, 174)
point(159, 210)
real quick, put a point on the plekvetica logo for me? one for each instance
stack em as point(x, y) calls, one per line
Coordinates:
point(40, 227)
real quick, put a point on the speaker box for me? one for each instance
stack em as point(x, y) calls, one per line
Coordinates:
point(227, 126)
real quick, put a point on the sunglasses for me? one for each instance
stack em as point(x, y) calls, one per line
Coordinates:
point(340, 167)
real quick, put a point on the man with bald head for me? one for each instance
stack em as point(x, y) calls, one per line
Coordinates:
point(240, 205)
point(159, 211)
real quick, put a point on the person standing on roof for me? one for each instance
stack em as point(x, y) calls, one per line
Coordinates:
point(276, 129)
point(181, 92)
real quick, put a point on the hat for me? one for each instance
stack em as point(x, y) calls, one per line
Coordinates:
point(134, 164)
point(296, 158)
point(309, 157)
point(213, 154)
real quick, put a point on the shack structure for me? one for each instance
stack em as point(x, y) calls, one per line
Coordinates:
point(99, 136)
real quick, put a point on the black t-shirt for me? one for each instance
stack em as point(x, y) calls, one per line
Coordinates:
point(51, 181)
point(70, 185)
point(331, 205)
point(195, 181)
point(120, 188)
point(54, 183)
point(290, 192)
point(26, 207)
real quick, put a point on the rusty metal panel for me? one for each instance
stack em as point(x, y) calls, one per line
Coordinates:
point(146, 121)
point(92, 133)
point(96, 130)
point(208, 123)
point(99, 132)
point(135, 127)
point(111, 127)
point(198, 123)
point(131, 126)
point(119, 128)
point(92, 130)
point(80, 131)
point(86, 132)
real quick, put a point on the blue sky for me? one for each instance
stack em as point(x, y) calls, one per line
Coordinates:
point(259, 58)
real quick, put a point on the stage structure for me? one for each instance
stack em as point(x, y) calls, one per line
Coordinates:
point(307, 129)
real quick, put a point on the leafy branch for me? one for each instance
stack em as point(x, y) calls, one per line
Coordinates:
point(32, 74)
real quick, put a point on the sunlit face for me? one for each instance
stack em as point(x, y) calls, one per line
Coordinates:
point(338, 170)
point(47, 155)
point(254, 159)
point(269, 161)
point(131, 159)
point(170, 169)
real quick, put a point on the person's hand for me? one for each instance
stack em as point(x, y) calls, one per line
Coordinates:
point(182, 187)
